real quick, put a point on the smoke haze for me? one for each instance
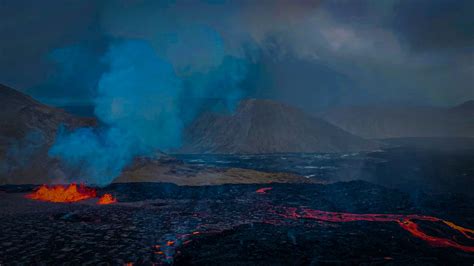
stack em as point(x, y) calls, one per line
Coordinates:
point(149, 67)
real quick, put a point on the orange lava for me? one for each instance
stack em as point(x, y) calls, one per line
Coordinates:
point(407, 222)
point(59, 193)
point(107, 199)
point(263, 190)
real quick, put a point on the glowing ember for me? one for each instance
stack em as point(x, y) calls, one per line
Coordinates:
point(59, 193)
point(263, 190)
point(405, 221)
point(106, 199)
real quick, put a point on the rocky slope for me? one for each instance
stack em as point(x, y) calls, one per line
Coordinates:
point(379, 122)
point(27, 129)
point(264, 126)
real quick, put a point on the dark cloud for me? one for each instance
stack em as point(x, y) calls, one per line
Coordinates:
point(74, 74)
point(309, 53)
point(435, 24)
point(30, 30)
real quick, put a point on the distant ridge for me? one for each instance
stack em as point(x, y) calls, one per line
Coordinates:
point(464, 108)
point(379, 122)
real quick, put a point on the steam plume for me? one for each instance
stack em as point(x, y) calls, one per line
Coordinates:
point(143, 107)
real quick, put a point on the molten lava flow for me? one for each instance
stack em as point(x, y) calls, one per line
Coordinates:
point(59, 193)
point(263, 190)
point(405, 221)
point(106, 199)
point(464, 231)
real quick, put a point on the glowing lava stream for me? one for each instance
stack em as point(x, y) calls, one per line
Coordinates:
point(263, 190)
point(405, 221)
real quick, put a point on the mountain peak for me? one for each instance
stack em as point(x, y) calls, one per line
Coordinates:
point(266, 126)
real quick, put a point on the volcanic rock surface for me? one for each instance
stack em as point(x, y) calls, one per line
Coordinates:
point(27, 130)
point(229, 224)
point(264, 126)
point(376, 122)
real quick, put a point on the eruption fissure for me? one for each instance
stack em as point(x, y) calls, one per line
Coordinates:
point(58, 193)
point(69, 193)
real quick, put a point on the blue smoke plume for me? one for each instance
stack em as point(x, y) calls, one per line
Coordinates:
point(143, 106)
point(139, 96)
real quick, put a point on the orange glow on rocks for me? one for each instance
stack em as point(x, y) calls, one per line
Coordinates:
point(107, 199)
point(60, 193)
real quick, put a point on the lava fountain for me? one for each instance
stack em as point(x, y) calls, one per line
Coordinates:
point(60, 193)
point(69, 193)
point(106, 199)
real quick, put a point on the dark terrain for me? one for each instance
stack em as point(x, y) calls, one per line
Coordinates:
point(229, 224)
point(409, 169)
point(234, 208)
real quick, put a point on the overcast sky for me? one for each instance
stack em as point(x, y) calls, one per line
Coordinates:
point(312, 54)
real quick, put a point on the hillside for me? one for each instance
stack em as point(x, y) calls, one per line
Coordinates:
point(27, 129)
point(264, 126)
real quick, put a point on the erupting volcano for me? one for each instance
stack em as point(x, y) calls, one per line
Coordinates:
point(59, 193)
